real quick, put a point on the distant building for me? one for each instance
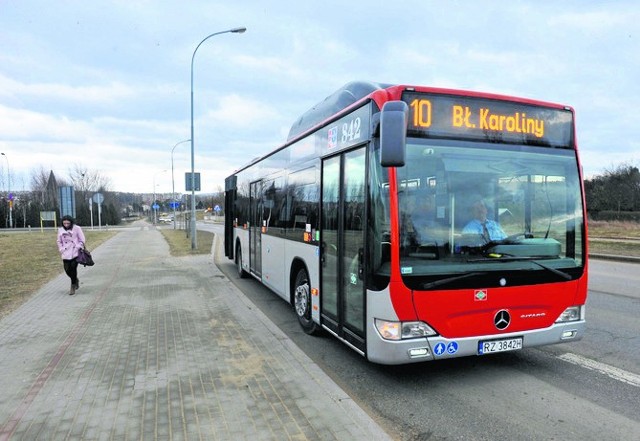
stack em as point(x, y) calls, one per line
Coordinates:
point(50, 194)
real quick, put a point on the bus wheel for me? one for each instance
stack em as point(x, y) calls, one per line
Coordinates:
point(302, 303)
point(241, 272)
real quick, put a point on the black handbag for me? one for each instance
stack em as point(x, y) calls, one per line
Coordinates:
point(84, 257)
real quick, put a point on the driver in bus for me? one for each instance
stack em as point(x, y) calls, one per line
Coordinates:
point(487, 228)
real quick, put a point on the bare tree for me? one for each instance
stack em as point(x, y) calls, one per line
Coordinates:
point(85, 180)
point(39, 179)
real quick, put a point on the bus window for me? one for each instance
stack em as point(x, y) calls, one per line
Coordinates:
point(274, 206)
point(304, 197)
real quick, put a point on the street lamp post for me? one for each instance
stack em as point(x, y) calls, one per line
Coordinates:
point(194, 242)
point(173, 186)
point(153, 203)
point(9, 191)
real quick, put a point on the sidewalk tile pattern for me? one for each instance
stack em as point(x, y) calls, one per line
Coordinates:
point(159, 348)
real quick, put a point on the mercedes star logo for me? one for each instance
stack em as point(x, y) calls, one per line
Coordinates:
point(502, 319)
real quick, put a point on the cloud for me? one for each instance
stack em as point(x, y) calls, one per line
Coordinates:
point(592, 21)
point(108, 85)
point(20, 124)
point(268, 65)
point(104, 94)
point(237, 112)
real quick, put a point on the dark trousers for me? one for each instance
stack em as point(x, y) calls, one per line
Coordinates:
point(71, 268)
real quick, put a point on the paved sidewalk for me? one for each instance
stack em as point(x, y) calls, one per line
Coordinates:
point(159, 348)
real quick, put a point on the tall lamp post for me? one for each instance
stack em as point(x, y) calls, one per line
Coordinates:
point(173, 185)
point(155, 212)
point(9, 191)
point(194, 241)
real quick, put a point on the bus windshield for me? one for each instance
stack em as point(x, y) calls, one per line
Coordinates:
point(484, 208)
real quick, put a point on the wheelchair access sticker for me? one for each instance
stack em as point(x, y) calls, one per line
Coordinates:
point(441, 348)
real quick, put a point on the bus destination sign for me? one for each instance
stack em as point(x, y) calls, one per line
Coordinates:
point(481, 119)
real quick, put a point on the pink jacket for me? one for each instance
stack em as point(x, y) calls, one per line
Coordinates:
point(70, 241)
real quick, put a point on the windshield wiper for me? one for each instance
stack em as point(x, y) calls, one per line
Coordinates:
point(452, 279)
point(555, 271)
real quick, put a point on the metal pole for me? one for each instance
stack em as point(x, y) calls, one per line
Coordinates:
point(194, 241)
point(153, 203)
point(91, 210)
point(9, 191)
point(173, 186)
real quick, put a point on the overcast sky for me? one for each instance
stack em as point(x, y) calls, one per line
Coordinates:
point(106, 85)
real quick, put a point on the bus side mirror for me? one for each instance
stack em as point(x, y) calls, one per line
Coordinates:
point(393, 133)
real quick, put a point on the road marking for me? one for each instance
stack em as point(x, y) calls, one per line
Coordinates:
point(610, 371)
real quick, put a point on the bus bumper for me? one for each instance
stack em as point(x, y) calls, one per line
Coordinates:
point(435, 348)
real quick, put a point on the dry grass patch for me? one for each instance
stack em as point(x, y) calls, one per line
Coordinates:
point(631, 249)
point(626, 235)
point(28, 260)
point(180, 244)
point(614, 230)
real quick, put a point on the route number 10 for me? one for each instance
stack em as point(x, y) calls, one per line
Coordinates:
point(421, 112)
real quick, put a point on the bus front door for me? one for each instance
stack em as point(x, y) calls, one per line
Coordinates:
point(342, 235)
point(255, 228)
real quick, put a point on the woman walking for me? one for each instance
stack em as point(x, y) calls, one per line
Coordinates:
point(70, 241)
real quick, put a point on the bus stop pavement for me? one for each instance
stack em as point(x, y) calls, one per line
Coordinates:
point(161, 348)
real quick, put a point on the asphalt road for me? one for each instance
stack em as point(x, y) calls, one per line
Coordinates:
point(586, 390)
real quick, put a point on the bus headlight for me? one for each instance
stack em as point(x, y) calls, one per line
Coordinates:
point(416, 329)
point(403, 330)
point(570, 314)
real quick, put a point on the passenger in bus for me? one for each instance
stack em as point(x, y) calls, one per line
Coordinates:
point(487, 228)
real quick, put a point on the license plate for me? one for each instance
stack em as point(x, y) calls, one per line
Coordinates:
point(493, 346)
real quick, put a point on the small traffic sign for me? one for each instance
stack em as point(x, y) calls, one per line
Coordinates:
point(155, 206)
point(98, 198)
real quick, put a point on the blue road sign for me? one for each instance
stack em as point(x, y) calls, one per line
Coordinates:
point(196, 178)
point(155, 206)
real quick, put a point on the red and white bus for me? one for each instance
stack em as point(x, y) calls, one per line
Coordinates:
point(368, 221)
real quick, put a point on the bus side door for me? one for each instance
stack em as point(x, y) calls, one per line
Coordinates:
point(255, 229)
point(342, 230)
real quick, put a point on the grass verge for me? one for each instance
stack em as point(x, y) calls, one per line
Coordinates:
point(631, 249)
point(180, 244)
point(626, 235)
point(28, 260)
point(614, 229)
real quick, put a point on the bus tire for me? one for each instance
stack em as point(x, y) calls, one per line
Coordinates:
point(241, 272)
point(302, 302)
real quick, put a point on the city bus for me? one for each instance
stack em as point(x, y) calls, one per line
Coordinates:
point(366, 221)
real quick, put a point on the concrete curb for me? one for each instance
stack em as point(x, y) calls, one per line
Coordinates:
point(630, 259)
